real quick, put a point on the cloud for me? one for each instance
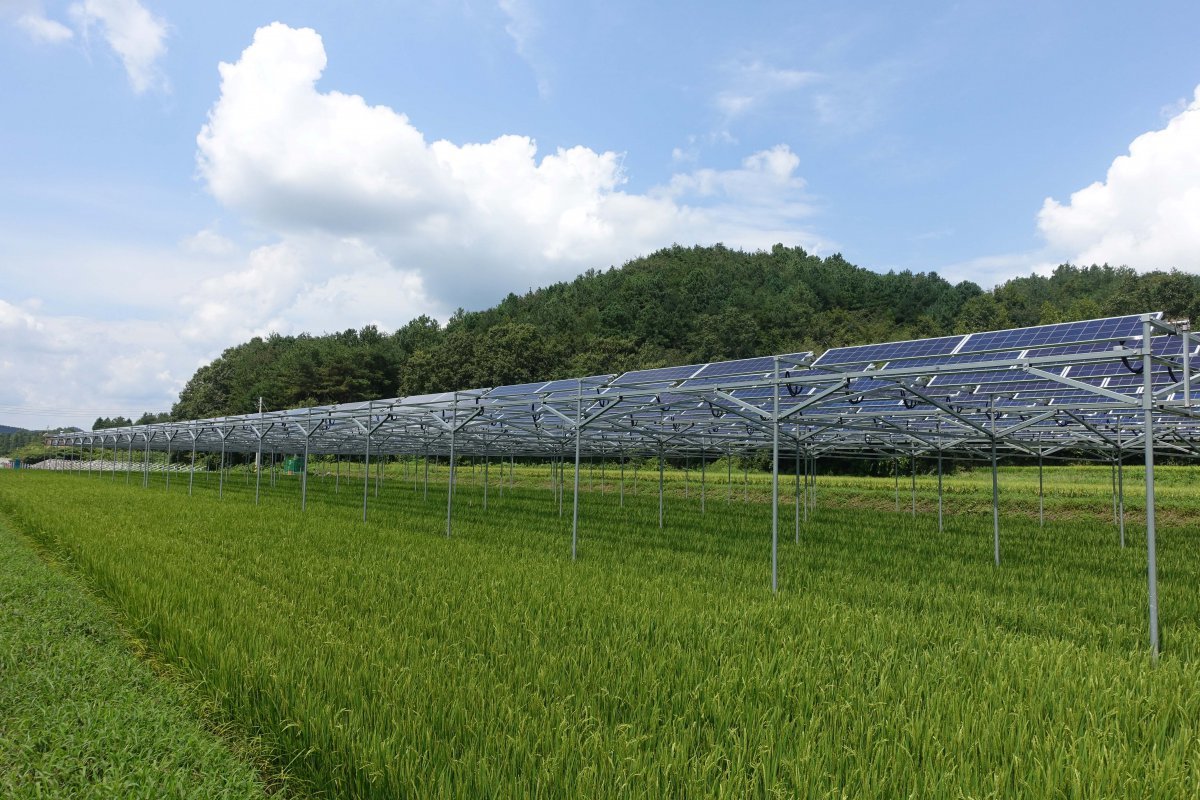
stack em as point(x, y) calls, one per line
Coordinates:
point(316, 284)
point(473, 220)
point(990, 271)
point(42, 29)
point(208, 242)
point(753, 84)
point(62, 369)
point(524, 26)
point(135, 35)
point(129, 349)
point(1143, 214)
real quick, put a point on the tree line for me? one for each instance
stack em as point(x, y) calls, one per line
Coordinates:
point(677, 306)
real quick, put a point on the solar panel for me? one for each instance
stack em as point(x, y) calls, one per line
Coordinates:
point(1097, 330)
point(859, 355)
point(659, 375)
point(745, 366)
point(516, 389)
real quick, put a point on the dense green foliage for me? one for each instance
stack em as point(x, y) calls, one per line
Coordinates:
point(80, 715)
point(112, 422)
point(386, 660)
point(679, 305)
point(26, 444)
point(13, 439)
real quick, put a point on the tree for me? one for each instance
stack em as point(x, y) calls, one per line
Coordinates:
point(981, 313)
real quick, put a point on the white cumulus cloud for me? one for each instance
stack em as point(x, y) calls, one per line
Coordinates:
point(136, 35)
point(472, 220)
point(1144, 213)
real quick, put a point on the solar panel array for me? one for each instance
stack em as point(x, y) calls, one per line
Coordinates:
point(1042, 383)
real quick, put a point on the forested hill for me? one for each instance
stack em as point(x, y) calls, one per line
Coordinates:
point(680, 305)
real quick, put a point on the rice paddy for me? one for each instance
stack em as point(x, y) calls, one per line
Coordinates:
point(386, 659)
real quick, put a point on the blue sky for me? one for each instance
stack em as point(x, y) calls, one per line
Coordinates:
point(368, 162)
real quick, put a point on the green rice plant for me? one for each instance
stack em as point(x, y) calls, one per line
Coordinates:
point(385, 659)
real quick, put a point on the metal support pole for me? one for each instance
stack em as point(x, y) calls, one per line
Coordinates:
point(660, 486)
point(1186, 335)
point(575, 497)
point(450, 487)
point(940, 529)
point(1120, 488)
point(814, 482)
point(995, 491)
point(129, 462)
point(622, 478)
point(192, 470)
point(366, 465)
point(1041, 495)
point(426, 495)
point(1113, 479)
point(258, 469)
point(745, 481)
point(775, 481)
point(304, 476)
point(896, 473)
point(728, 476)
point(804, 482)
point(221, 475)
point(170, 442)
point(337, 473)
point(797, 498)
point(486, 465)
point(1151, 543)
point(146, 463)
point(703, 481)
point(914, 485)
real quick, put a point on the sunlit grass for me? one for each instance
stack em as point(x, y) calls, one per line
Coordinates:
point(385, 659)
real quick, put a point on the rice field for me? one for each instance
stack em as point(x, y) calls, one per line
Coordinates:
point(383, 659)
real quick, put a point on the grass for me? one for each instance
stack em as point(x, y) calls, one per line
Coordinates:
point(384, 659)
point(81, 716)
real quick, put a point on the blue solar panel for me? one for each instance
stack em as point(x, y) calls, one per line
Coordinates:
point(516, 389)
point(660, 375)
point(889, 352)
point(745, 366)
point(1102, 370)
point(1096, 330)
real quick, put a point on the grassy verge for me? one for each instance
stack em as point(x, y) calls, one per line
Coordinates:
point(80, 715)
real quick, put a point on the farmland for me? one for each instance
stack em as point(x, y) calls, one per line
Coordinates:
point(385, 659)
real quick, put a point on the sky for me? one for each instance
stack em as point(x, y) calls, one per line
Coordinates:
point(180, 177)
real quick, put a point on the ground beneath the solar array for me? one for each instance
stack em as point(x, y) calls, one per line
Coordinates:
point(385, 659)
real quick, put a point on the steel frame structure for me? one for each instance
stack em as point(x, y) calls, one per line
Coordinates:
point(1100, 389)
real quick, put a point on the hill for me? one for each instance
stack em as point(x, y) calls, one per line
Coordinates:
point(13, 439)
point(679, 305)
